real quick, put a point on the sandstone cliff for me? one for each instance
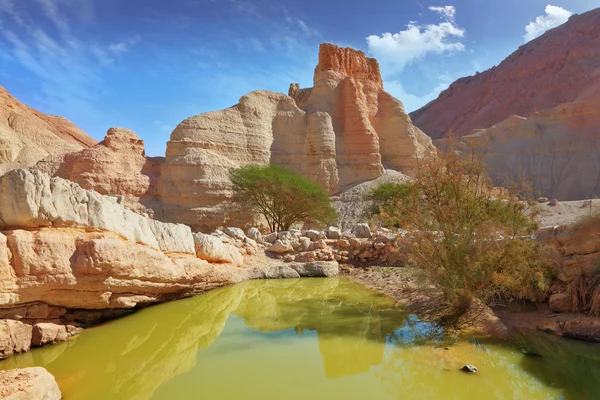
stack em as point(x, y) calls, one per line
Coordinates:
point(27, 136)
point(73, 256)
point(343, 131)
point(561, 66)
point(116, 166)
point(556, 152)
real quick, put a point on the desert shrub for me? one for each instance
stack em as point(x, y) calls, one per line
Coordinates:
point(387, 207)
point(281, 196)
point(471, 239)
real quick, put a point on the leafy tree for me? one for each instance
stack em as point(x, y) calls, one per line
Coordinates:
point(471, 239)
point(281, 196)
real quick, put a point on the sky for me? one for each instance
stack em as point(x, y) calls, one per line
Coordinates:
point(147, 65)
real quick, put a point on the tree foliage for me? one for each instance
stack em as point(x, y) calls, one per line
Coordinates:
point(281, 196)
point(387, 204)
point(472, 240)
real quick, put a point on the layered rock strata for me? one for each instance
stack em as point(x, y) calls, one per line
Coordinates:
point(27, 135)
point(555, 153)
point(339, 133)
point(115, 166)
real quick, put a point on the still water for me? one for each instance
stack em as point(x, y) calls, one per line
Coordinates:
point(305, 339)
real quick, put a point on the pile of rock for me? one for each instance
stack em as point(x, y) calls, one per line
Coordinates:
point(358, 245)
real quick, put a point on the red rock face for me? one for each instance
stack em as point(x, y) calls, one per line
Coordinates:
point(348, 62)
point(561, 66)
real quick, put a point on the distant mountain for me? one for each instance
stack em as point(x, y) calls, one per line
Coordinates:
point(561, 66)
point(27, 135)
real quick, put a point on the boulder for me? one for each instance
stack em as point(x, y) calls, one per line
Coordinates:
point(28, 384)
point(15, 337)
point(235, 233)
point(559, 303)
point(212, 249)
point(271, 237)
point(316, 269)
point(333, 233)
point(254, 234)
point(362, 231)
point(48, 333)
point(280, 247)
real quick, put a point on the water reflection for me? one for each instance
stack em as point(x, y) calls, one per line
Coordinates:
point(259, 339)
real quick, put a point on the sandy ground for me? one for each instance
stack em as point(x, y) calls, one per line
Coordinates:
point(565, 213)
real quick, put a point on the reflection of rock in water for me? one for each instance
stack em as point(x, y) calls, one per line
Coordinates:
point(343, 315)
point(131, 358)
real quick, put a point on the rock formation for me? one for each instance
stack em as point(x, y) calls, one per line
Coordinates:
point(71, 257)
point(27, 135)
point(28, 384)
point(555, 151)
point(343, 131)
point(115, 166)
point(559, 67)
point(534, 117)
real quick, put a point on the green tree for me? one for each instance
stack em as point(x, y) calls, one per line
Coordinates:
point(281, 196)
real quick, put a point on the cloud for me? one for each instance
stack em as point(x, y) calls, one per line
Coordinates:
point(448, 12)
point(554, 17)
point(395, 51)
point(124, 46)
point(68, 67)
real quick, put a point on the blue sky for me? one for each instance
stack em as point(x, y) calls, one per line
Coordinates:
point(148, 64)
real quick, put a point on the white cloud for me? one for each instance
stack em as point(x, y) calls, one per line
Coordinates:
point(124, 46)
point(554, 17)
point(395, 51)
point(448, 12)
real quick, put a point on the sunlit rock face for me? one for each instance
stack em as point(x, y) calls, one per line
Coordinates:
point(27, 135)
point(115, 166)
point(344, 130)
point(559, 67)
point(534, 117)
point(553, 153)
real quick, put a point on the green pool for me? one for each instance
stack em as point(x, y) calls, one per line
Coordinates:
point(304, 339)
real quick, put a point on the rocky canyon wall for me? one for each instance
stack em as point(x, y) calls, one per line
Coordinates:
point(533, 118)
point(27, 135)
point(343, 131)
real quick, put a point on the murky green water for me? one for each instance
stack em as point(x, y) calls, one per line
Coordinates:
point(303, 339)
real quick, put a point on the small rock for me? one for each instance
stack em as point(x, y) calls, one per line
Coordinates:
point(553, 202)
point(271, 238)
point(379, 245)
point(305, 243)
point(343, 243)
point(285, 235)
point(470, 368)
point(254, 234)
point(235, 233)
point(559, 303)
point(333, 233)
point(542, 200)
point(250, 242)
point(289, 258)
point(362, 231)
point(280, 247)
point(312, 234)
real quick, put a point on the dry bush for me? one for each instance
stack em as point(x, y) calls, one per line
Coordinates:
point(472, 239)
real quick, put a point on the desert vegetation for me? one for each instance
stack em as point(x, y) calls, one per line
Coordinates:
point(281, 197)
point(471, 240)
